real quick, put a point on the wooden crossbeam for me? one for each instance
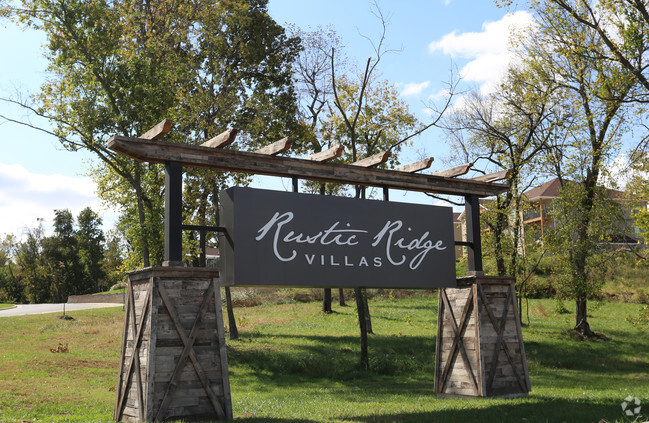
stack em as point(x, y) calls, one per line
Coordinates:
point(454, 171)
point(373, 160)
point(276, 148)
point(493, 177)
point(458, 344)
point(158, 131)
point(326, 155)
point(222, 140)
point(287, 167)
point(188, 352)
point(416, 166)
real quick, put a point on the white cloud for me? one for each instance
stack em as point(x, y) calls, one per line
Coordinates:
point(488, 52)
point(413, 88)
point(26, 196)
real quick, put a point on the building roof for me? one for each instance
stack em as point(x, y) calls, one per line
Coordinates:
point(549, 189)
point(552, 188)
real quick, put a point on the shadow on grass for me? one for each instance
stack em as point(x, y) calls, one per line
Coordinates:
point(331, 357)
point(532, 410)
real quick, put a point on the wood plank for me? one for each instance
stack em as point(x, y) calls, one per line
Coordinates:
point(188, 352)
point(493, 177)
point(458, 344)
point(260, 164)
point(326, 155)
point(373, 160)
point(454, 171)
point(276, 148)
point(416, 166)
point(222, 140)
point(158, 131)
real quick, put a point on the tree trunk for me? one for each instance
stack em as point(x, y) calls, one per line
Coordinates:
point(326, 301)
point(368, 318)
point(341, 297)
point(232, 324)
point(365, 362)
point(142, 219)
point(582, 327)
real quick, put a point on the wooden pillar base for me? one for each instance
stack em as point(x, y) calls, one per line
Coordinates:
point(173, 364)
point(480, 351)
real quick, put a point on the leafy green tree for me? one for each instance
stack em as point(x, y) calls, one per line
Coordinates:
point(29, 258)
point(12, 288)
point(113, 263)
point(508, 129)
point(61, 258)
point(90, 240)
point(605, 218)
point(121, 67)
point(564, 53)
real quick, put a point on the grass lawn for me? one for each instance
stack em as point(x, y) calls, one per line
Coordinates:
point(294, 364)
point(3, 305)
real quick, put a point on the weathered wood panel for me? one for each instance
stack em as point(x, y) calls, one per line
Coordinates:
point(173, 364)
point(480, 349)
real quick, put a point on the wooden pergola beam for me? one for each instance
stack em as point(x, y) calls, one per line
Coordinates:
point(222, 140)
point(416, 166)
point(327, 155)
point(276, 148)
point(493, 177)
point(454, 171)
point(373, 160)
point(261, 164)
point(158, 131)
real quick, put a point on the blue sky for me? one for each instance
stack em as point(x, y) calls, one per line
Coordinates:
point(37, 175)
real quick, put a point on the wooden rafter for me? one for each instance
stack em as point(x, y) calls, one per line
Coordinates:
point(416, 166)
point(373, 160)
point(454, 171)
point(276, 148)
point(222, 140)
point(260, 164)
point(326, 155)
point(493, 177)
point(158, 131)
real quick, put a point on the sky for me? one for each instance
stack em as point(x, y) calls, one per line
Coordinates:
point(432, 37)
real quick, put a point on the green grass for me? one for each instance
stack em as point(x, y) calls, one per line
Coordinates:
point(294, 364)
point(4, 305)
point(115, 291)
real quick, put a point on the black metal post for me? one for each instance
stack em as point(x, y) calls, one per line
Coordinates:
point(474, 253)
point(173, 214)
point(386, 194)
point(295, 185)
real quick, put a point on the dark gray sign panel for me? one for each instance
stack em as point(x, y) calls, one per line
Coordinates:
point(289, 239)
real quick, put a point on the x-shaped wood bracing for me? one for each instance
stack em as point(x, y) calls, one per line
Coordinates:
point(499, 327)
point(188, 352)
point(134, 362)
point(458, 345)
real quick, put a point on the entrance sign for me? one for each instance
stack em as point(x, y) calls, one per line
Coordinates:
point(281, 238)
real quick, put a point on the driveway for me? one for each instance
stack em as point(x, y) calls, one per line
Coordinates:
point(22, 310)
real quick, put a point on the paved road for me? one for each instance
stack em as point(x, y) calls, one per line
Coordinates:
point(22, 310)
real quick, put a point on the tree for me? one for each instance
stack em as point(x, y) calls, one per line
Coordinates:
point(90, 239)
point(583, 281)
point(508, 130)
point(568, 55)
point(121, 67)
point(11, 284)
point(29, 258)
